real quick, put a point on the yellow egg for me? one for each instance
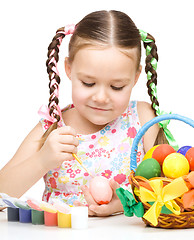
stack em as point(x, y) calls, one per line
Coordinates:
point(175, 165)
point(149, 153)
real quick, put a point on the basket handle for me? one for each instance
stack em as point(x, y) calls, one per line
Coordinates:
point(145, 127)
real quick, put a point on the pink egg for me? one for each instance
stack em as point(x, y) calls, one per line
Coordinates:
point(101, 190)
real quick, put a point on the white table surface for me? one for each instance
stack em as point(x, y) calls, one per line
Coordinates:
point(117, 227)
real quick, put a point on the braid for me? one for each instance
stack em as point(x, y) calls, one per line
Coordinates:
point(164, 135)
point(150, 68)
point(51, 63)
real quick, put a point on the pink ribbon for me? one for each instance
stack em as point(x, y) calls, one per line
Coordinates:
point(69, 29)
point(44, 113)
point(44, 110)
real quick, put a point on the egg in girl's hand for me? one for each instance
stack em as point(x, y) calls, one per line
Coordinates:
point(101, 190)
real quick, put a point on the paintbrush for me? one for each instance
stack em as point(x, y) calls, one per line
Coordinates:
point(81, 163)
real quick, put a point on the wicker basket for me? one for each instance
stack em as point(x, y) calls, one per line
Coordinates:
point(186, 217)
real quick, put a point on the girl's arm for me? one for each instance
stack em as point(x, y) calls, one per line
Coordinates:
point(31, 162)
point(25, 168)
point(146, 113)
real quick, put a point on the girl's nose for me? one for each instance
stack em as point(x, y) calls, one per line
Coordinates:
point(101, 95)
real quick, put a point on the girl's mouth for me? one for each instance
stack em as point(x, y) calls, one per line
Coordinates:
point(99, 109)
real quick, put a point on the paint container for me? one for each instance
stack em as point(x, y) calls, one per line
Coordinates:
point(25, 215)
point(64, 213)
point(50, 219)
point(24, 211)
point(50, 214)
point(64, 220)
point(79, 217)
point(12, 210)
point(37, 214)
point(10, 202)
point(12, 214)
point(37, 217)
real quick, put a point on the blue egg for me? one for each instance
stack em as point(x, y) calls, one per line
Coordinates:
point(183, 150)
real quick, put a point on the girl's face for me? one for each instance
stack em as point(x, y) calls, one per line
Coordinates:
point(102, 81)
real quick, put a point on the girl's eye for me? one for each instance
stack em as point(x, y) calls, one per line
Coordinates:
point(117, 88)
point(88, 84)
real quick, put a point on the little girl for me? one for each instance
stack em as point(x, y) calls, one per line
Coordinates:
point(101, 123)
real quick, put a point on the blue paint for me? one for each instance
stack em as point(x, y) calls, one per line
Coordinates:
point(25, 215)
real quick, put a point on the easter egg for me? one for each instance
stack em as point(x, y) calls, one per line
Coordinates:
point(175, 165)
point(190, 157)
point(162, 151)
point(100, 190)
point(148, 168)
point(183, 150)
point(149, 153)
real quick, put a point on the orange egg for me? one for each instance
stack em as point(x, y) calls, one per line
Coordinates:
point(149, 152)
point(100, 190)
point(161, 152)
point(190, 157)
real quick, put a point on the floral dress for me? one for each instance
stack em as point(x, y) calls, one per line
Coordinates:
point(104, 153)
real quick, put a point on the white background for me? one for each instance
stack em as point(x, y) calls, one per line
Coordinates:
point(27, 28)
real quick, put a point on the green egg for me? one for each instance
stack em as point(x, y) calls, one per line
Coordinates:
point(149, 168)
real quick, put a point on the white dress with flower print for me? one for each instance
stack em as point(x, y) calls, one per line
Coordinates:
point(104, 153)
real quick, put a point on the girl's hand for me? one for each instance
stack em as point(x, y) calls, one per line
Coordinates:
point(58, 147)
point(103, 210)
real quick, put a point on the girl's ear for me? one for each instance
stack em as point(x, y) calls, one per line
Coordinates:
point(137, 74)
point(67, 68)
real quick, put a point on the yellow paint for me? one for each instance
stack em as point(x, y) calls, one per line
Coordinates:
point(64, 220)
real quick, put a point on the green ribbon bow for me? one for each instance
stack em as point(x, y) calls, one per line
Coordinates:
point(130, 206)
point(170, 138)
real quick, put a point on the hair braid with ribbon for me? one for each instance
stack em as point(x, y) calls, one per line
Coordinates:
point(150, 69)
point(53, 112)
point(51, 63)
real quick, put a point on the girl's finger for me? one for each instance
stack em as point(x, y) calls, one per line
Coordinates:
point(68, 139)
point(66, 130)
point(66, 148)
point(100, 211)
point(88, 197)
